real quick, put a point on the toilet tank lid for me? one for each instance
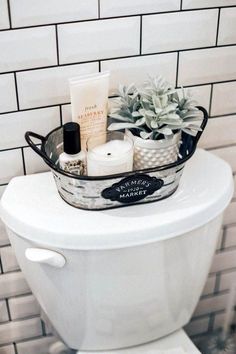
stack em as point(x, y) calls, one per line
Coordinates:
point(32, 208)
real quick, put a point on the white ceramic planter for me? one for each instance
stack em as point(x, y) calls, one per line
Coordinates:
point(154, 153)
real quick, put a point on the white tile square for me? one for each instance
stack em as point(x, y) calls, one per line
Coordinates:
point(224, 98)
point(8, 93)
point(227, 29)
point(193, 4)
point(230, 240)
point(13, 284)
point(129, 70)
point(20, 330)
point(3, 312)
point(13, 165)
point(49, 86)
point(27, 48)
point(66, 113)
point(227, 279)
point(228, 154)
point(23, 306)
point(110, 8)
point(4, 18)
point(9, 262)
point(211, 137)
point(33, 162)
point(211, 304)
point(7, 349)
point(230, 214)
point(207, 65)
point(34, 12)
point(224, 260)
point(35, 346)
point(182, 30)
point(40, 121)
point(4, 240)
point(101, 39)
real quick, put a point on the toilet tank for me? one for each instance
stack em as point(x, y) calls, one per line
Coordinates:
point(118, 278)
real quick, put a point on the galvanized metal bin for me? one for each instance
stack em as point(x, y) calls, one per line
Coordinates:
point(106, 192)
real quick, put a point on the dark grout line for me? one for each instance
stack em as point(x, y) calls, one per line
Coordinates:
point(9, 14)
point(57, 45)
point(8, 310)
point(61, 120)
point(222, 246)
point(141, 35)
point(17, 95)
point(211, 322)
point(222, 147)
point(181, 5)
point(23, 340)
point(23, 160)
point(44, 332)
point(1, 267)
point(34, 108)
point(224, 115)
point(66, 103)
point(177, 71)
point(199, 317)
point(124, 57)
point(118, 17)
point(211, 97)
point(99, 9)
point(217, 283)
point(15, 347)
point(218, 26)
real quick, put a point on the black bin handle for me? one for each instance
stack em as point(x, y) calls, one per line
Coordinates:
point(39, 151)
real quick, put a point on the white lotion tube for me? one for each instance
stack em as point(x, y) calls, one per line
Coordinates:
point(89, 104)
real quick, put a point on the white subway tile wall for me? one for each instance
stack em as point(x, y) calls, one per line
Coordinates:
point(227, 29)
point(45, 87)
point(8, 93)
point(137, 69)
point(4, 18)
point(223, 99)
point(23, 306)
point(27, 48)
point(33, 162)
point(207, 65)
point(132, 7)
point(33, 12)
point(40, 120)
point(4, 317)
point(9, 262)
point(101, 39)
point(43, 44)
point(167, 32)
point(13, 165)
point(192, 4)
point(7, 349)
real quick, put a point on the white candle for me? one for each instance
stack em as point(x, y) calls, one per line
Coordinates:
point(115, 156)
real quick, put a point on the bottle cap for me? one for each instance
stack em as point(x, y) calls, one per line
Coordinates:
point(71, 138)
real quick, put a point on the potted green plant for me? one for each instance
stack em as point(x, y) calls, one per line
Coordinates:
point(154, 115)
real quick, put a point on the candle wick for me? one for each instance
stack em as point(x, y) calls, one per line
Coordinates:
point(108, 154)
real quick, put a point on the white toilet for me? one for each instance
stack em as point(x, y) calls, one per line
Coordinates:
point(123, 278)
